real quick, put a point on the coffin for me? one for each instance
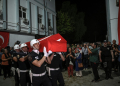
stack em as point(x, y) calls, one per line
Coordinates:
point(55, 43)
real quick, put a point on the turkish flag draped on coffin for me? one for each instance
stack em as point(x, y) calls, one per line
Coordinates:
point(4, 39)
point(119, 24)
point(55, 43)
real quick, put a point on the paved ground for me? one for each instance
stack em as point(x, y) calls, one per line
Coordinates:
point(77, 81)
point(88, 76)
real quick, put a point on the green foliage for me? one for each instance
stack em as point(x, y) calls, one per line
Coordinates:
point(64, 23)
point(70, 22)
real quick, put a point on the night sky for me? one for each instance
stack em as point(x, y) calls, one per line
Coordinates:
point(95, 18)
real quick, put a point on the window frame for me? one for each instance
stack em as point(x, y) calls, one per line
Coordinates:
point(23, 11)
point(49, 22)
point(39, 19)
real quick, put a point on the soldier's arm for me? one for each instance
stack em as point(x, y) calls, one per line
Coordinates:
point(62, 57)
point(15, 58)
point(23, 58)
point(48, 60)
point(40, 62)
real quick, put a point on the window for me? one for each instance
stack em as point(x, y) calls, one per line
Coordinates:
point(39, 19)
point(117, 3)
point(22, 12)
point(49, 22)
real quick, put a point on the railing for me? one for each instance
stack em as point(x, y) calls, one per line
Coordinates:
point(26, 27)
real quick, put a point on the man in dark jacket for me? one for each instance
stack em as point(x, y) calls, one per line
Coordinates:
point(107, 53)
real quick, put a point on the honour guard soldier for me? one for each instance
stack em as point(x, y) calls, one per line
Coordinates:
point(37, 63)
point(54, 69)
point(15, 64)
point(107, 58)
point(24, 66)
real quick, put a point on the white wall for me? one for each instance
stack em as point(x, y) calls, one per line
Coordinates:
point(108, 20)
point(24, 27)
point(41, 12)
point(112, 20)
point(33, 10)
point(51, 4)
point(113, 9)
point(1, 5)
point(22, 38)
point(23, 3)
point(55, 29)
point(1, 9)
point(11, 13)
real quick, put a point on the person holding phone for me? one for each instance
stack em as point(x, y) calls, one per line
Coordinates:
point(94, 61)
point(70, 61)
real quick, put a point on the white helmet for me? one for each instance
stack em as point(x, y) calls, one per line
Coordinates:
point(33, 42)
point(23, 45)
point(16, 47)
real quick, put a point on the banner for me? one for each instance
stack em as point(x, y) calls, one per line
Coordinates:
point(119, 24)
point(4, 39)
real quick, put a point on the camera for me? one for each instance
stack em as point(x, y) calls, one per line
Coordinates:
point(17, 42)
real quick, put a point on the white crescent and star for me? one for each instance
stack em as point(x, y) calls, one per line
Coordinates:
point(2, 39)
point(59, 39)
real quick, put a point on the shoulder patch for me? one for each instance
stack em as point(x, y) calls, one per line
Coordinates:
point(18, 56)
point(36, 57)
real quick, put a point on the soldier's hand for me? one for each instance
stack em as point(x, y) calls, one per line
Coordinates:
point(71, 55)
point(112, 60)
point(59, 53)
point(45, 52)
point(113, 48)
point(49, 52)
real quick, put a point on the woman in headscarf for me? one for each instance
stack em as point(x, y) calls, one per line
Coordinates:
point(78, 57)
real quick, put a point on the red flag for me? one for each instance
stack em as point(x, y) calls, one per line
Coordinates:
point(55, 43)
point(4, 39)
point(29, 47)
point(119, 24)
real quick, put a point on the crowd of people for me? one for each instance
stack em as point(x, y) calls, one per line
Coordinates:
point(36, 68)
point(92, 55)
